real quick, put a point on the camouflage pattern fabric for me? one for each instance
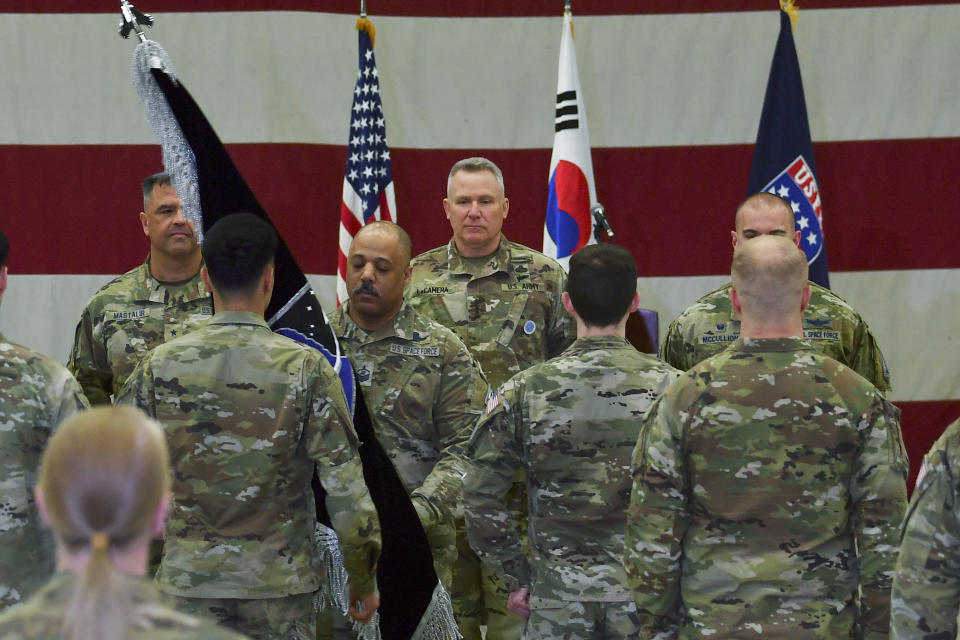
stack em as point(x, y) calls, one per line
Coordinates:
point(507, 310)
point(769, 487)
point(36, 395)
point(41, 617)
point(708, 326)
point(125, 319)
point(247, 413)
point(583, 621)
point(285, 618)
point(573, 423)
point(425, 392)
point(926, 587)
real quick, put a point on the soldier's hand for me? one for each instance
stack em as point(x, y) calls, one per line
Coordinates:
point(363, 606)
point(519, 602)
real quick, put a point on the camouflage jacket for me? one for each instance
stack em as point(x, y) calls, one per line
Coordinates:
point(247, 413)
point(508, 312)
point(127, 317)
point(926, 587)
point(424, 391)
point(36, 394)
point(708, 326)
point(769, 487)
point(41, 617)
point(572, 424)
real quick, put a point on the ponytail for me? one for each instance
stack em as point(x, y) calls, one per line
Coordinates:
point(103, 476)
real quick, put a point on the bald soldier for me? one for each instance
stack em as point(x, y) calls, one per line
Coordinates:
point(769, 481)
point(424, 389)
point(158, 301)
point(710, 324)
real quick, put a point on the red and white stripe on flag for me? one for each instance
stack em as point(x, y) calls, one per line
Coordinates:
point(571, 190)
point(368, 182)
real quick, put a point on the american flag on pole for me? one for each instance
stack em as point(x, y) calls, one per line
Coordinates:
point(368, 183)
point(571, 191)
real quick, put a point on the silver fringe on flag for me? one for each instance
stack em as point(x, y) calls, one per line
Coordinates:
point(437, 622)
point(178, 158)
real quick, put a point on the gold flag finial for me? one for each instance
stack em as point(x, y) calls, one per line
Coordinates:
point(792, 10)
point(365, 25)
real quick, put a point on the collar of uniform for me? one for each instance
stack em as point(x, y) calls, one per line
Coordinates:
point(159, 292)
point(239, 317)
point(499, 260)
point(588, 343)
point(760, 345)
point(401, 327)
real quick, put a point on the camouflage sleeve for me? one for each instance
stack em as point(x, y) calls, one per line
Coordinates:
point(926, 587)
point(137, 390)
point(332, 443)
point(494, 458)
point(656, 521)
point(878, 496)
point(458, 406)
point(562, 331)
point(66, 397)
point(868, 360)
point(89, 364)
point(673, 351)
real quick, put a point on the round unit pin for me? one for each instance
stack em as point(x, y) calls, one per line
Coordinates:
point(529, 327)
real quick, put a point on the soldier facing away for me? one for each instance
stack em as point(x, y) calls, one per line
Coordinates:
point(926, 587)
point(36, 394)
point(835, 329)
point(248, 413)
point(161, 299)
point(423, 387)
point(769, 481)
point(104, 491)
point(573, 423)
point(503, 300)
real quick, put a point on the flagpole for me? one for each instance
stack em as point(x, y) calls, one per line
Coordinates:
point(566, 6)
point(363, 8)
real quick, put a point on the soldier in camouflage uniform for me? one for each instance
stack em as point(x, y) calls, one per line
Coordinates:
point(36, 394)
point(248, 413)
point(503, 300)
point(104, 491)
point(424, 388)
point(769, 481)
point(926, 586)
point(161, 299)
point(711, 324)
point(572, 423)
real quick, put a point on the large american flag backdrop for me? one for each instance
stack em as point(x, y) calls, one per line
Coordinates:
point(674, 91)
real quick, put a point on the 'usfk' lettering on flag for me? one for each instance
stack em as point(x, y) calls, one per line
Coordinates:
point(569, 224)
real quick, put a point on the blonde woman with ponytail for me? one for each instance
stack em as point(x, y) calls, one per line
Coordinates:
point(104, 490)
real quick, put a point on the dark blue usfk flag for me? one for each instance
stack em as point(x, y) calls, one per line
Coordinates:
point(783, 156)
point(405, 576)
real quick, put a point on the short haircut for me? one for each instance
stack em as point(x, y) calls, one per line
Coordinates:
point(602, 283)
point(237, 250)
point(162, 178)
point(474, 165)
point(403, 238)
point(4, 249)
point(769, 200)
point(769, 274)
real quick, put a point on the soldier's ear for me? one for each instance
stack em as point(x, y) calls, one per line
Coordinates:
point(143, 223)
point(735, 299)
point(567, 303)
point(205, 276)
point(3, 279)
point(159, 522)
point(635, 303)
point(446, 207)
point(407, 275)
point(806, 298)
